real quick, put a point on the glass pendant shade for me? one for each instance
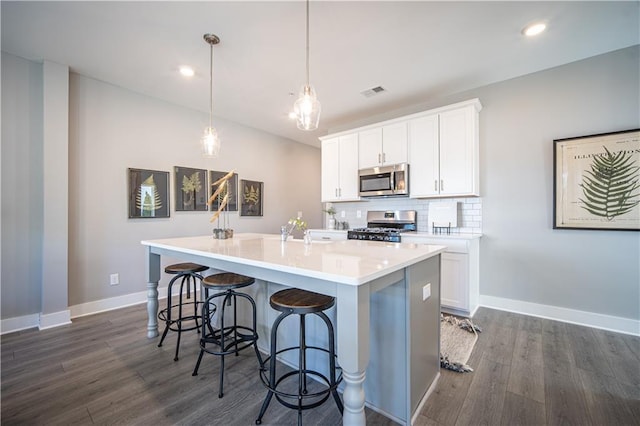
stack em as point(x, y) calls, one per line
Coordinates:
point(210, 143)
point(307, 109)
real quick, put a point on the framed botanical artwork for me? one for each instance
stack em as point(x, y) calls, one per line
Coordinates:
point(231, 189)
point(251, 193)
point(148, 193)
point(597, 181)
point(191, 189)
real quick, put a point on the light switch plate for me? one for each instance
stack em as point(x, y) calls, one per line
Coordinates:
point(426, 292)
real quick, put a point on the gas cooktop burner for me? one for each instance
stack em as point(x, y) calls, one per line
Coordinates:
point(385, 226)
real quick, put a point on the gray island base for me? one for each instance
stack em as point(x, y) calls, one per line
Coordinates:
point(386, 315)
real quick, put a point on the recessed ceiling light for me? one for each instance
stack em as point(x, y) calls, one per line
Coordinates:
point(534, 29)
point(186, 71)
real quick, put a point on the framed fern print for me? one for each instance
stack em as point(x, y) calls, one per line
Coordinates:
point(191, 189)
point(251, 196)
point(148, 194)
point(597, 181)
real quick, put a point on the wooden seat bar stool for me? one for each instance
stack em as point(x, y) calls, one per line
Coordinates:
point(190, 274)
point(300, 302)
point(228, 338)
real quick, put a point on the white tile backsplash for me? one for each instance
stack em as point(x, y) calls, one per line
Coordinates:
point(470, 212)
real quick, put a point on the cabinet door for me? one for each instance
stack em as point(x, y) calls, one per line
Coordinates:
point(348, 169)
point(394, 144)
point(423, 156)
point(458, 152)
point(370, 148)
point(454, 285)
point(330, 169)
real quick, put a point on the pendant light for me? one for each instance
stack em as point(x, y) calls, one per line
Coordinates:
point(210, 141)
point(307, 107)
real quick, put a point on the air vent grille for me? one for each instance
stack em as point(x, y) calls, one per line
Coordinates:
point(373, 91)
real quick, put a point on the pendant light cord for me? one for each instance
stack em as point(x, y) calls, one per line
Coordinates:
point(308, 43)
point(211, 87)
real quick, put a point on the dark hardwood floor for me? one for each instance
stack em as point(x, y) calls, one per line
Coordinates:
point(102, 370)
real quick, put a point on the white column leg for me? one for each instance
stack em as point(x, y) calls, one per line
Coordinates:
point(152, 309)
point(353, 349)
point(153, 276)
point(353, 398)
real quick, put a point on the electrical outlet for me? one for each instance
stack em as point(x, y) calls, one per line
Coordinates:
point(300, 214)
point(343, 214)
point(358, 214)
point(426, 292)
point(114, 279)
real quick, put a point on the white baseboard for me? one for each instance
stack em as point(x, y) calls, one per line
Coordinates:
point(110, 304)
point(55, 319)
point(44, 321)
point(573, 316)
point(24, 322)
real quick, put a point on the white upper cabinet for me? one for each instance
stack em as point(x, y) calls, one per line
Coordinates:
point(340, 168)
point(444, 152)
point(441, 146)
point(384, 145)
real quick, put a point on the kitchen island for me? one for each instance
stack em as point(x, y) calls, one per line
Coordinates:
point(387, 298)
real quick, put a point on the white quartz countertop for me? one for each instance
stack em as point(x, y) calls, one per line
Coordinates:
point(351, 262)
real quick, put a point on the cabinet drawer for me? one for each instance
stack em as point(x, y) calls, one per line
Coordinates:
point(327, 235)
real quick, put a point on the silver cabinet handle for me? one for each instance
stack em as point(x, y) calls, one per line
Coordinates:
point(441, 185)
point(379, 160)
point(340, 192)
point(384, 157)
point(336, 192)
point(435, 185)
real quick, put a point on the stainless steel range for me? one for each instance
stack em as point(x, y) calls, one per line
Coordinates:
point(385, 225)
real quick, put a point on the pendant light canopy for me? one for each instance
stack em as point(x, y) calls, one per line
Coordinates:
point(210, 141)
point(307, 107)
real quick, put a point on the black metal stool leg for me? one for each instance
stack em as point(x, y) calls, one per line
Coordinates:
point(167, 321)
point(332, 361)
point(272, 364)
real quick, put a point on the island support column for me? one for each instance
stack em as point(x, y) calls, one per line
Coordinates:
point(353, 348)
point(153, 276)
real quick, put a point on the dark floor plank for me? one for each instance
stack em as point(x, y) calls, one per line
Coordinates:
point(444, 403)
point(606, 400)
point(485, 398)
point(525, 378)
point(522, 411)
point(621, 355)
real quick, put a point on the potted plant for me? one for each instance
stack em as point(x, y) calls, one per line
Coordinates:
point(331, 211)
point(293, 224)
point(221, 194)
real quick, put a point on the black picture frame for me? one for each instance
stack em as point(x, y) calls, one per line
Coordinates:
point(232, 204)
point(596, 181)
point(251, 197)
point(148, 194)
point(191, 189)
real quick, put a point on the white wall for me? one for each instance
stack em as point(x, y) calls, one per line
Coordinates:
point(22, 186)
point(110, 130)
point(522, 258)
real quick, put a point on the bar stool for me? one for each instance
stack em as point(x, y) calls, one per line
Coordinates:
point(300, 302)
point(189, 272)
point(228, 339)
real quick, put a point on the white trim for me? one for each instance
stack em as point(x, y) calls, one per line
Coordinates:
point(110, 304)
point(55, 319)
point(572, 316)
point(24, 322)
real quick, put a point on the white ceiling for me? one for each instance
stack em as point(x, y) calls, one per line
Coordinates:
point(417, 50)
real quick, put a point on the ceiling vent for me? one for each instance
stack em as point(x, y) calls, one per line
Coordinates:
point(373, 91)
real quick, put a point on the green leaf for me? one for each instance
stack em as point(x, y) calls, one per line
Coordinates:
point(608, 187)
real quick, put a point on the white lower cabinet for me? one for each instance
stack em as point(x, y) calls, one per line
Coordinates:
point(460, 272)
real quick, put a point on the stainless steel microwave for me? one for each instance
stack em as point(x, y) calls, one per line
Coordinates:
point(385, 181)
